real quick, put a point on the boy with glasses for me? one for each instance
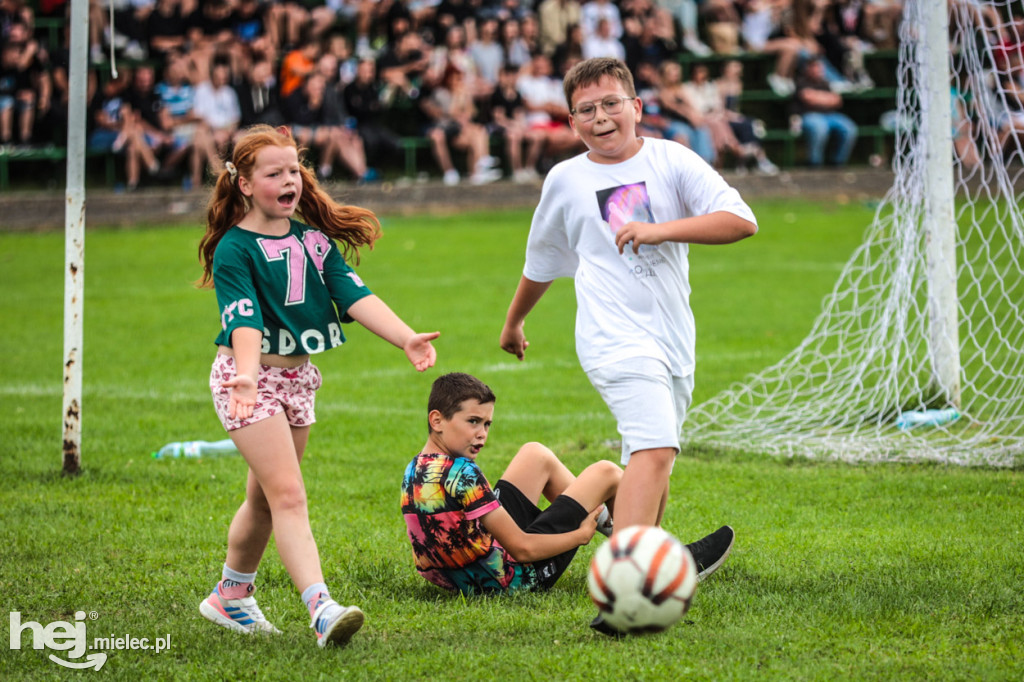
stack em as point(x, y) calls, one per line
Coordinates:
point(619, 219)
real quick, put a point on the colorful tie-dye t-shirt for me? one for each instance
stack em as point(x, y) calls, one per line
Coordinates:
point(443, 499)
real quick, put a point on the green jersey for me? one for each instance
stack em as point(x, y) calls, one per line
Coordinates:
point(296, 289)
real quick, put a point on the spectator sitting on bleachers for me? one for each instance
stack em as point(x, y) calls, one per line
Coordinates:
point(166, 27)
point(450, 13)
point(453, 52)
point(116, 129)
point(128, 35)
point(14, 12)
point(601, 43)
point(60, 76)
point(529, 31)
point(880, 22)
point(546, 109)
point(556, 17)
point(316, 123)
point(212, 33)
point(190, 137)
point(402, 67)
point(517, 51)
point(763, 30)
point(722, 23)
point(154, 119)
point(248, 24)
point(351, 149)
point(808, 25)
point(703, 94)
point(840, 39)
point(297, 65)
point(641, 12)
point(508, 114)
point(452, 114)
point(323, 16)
point(216, 104)
point(338, 45)
point(487, 54)
point(210, 30)
point(25, 85)
point(643, 43)
point(593, 10)
point(730, 87)
point(685, 14)
point(362, 101)
point(288, 23)
point(570, 50)
point(821, 117)
point(653, 123)
point(258, 100)
point(684, 119)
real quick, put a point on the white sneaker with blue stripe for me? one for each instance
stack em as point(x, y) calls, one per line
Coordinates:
point(241, 615)
point(334, 623)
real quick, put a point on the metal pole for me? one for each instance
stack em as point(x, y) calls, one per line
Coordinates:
point(74, 238)
point(940, 228)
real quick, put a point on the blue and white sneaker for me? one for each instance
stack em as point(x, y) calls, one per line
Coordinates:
point(334, 623)
point(240, 614)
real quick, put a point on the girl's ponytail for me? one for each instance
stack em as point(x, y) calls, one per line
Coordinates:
point(351, 226)
point(226, 208)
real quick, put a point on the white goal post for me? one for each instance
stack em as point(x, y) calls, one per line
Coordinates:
point(927, 312)
point(74, 240)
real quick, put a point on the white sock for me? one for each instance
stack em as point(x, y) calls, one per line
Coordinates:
point(604, 522)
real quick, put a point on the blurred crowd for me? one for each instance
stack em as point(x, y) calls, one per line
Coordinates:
point(478, 81)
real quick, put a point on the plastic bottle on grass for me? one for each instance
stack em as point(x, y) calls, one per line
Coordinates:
point(197, 448)
point(914, 418)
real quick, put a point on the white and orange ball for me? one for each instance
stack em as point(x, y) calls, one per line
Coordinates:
point(642, 579)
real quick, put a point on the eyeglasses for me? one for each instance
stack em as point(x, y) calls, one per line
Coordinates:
point(586, 111)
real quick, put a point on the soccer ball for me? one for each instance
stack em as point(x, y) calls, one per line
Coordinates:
point(642, 579)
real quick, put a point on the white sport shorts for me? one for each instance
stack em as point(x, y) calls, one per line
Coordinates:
point(648, 403)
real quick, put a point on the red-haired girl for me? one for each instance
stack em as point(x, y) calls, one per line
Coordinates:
point(283, 289)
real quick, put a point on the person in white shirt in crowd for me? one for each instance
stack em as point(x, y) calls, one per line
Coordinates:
point(601, 43)
point(487, 54)
point(546, 109)
point(595, 10)
point(216, 103)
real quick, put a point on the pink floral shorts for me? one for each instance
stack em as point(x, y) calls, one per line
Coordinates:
point(292, 391)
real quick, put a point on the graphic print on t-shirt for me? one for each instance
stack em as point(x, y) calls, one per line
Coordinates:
point(625, 204)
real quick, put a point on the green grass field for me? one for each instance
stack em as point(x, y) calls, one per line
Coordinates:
point(898, 572)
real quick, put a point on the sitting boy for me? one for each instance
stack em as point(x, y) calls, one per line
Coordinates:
point(469, 537)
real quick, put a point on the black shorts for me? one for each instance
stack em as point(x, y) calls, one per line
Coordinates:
point(562, 516)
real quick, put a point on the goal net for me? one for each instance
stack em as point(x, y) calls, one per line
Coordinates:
point(908, 326)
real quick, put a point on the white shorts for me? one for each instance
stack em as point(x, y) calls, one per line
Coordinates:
point(648, 403)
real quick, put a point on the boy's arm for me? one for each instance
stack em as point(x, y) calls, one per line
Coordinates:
point(719, 227)
point(375, 315)
point(527, 294)
point(527, 547)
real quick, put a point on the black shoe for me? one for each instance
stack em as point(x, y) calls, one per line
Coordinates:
point(711, 551)
point(601, 626)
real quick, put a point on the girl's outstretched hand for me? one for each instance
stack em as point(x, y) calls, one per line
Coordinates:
point(243, 396)
point(420, 351)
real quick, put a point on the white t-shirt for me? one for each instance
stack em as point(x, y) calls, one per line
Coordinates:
point(538, 91)
point(217, 106)
point(592, 12)
point(598, 46)
point(628, 305)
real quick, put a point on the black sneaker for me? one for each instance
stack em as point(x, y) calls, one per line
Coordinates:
point(604, 628)
point(711, 551)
